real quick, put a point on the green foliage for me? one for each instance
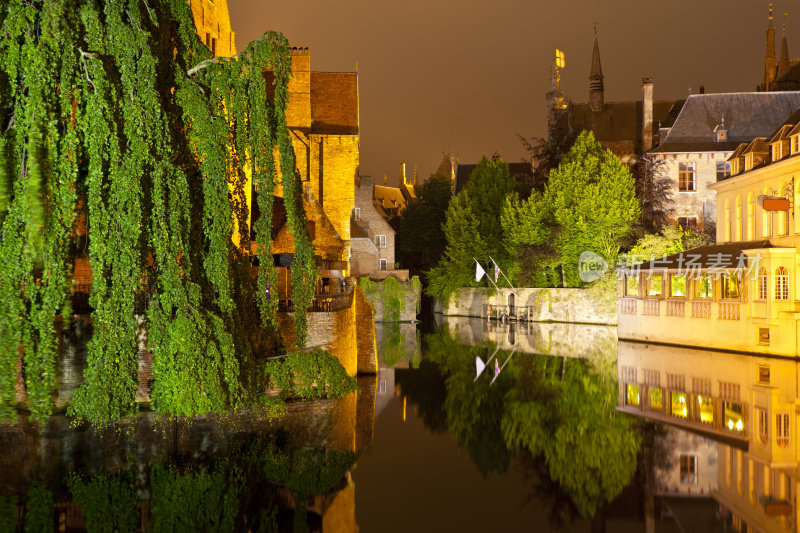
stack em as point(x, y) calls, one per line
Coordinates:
point(310, 375)
point(108, 503)
point(8, 513)
point(656, 245)
point(591, 195)
point(420, 240)
point(119, 104)
point(392, 295)
point(39, 513)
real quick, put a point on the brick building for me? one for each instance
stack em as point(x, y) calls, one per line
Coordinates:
point(372, 237)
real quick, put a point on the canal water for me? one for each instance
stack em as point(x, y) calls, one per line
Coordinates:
point(541, 440)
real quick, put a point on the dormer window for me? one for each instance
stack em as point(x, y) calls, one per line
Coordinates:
point(722, 135)
point(795, 144)
point(776, 151)
point(748, 162)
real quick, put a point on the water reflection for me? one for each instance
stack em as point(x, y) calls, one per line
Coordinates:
point(740, 412)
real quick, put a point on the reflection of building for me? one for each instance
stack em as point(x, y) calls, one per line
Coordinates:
point(745, 403)
point(686, 465)
point(739, 294)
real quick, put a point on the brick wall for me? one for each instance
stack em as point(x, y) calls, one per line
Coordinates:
point(212, 21)
point(366, 255)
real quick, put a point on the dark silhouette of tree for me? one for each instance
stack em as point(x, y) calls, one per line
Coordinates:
point(420, 240)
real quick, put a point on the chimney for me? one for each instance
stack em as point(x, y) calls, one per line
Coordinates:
point(647, 114)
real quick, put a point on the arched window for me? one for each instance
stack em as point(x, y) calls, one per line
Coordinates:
point(783, 216)
point(727, 219)
point(766, 219)
point(738, 219)
point(781, 284)
point(762, 284)
point(751, 216)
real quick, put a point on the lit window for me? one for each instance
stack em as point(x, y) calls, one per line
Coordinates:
point(704, 287)
point(656, 396)
point(677, 286)
point(782, 429)
point(796, 144)
point(781, 284)
point(762, 284)
point(763, 424)
point(730, 287)
point(689, 469)
point(679, 405)
point(380, 241)
point(723, 170)
point(654, 286)
point(733, 419)
point(632, 394)
point(686, 173)
point(705, 410)
point(751, 216)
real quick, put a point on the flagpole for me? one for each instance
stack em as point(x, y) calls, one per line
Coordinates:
point(487, 362)
point(503, 273)
point(487, 276)
point(504, 364)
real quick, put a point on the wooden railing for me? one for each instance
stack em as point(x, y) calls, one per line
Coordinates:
point(729, 310)
point(627, 306)
point(701, 309)
point(676, 308)
point(651, 307)
point(322, 302)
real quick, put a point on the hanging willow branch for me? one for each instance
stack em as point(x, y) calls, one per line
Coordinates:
point(105, 106)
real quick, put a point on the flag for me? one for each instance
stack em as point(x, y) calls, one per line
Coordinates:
point(479, 271)
point(496, 368)
point(496, 271)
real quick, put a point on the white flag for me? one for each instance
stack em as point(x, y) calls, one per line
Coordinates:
point(479, 271)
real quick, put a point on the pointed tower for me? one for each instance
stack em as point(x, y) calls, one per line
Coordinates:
point(784, 63)
point(770, 61)
point(596, 98)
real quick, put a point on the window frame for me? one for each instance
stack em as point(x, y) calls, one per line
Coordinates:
point(724, 289)
point(725, 171)
point(685, 286)
point(782, 430)
point(687, 469)
point(763, 285)
point(781, 284)
point(383, 264)
point(763, 425)
point(687, 176)
point(650, 284)
point(357, 214)
point(697, 284)
point(380, 241)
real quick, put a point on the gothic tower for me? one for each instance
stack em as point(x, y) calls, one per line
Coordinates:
point(770, 61)
point(784, 64)
point(596, 98)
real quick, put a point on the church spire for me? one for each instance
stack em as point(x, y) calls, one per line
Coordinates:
point(770, 61)
point(783, 64)
point(596, 87)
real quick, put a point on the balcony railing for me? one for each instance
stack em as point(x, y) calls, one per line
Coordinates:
point(627, 306)
point(701, 309)
point(651, 307)
point(729, 310)
point(322, 302)
point(676, 308)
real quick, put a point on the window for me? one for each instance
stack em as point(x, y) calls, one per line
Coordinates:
point(705, 410)
point(781, 284)
point(763, 424)
point(728, 219)
point(763, 335)
point(751, 216)
point(383, 264)
point(631, 284)
point(655, 286)
point(687, 222)
point(689, 469)
point(723, 170)
point(357, 214)
point(686, 181)
point(679, 405)
point(737, 219)
point(762, 284)
point(782, 429)
point(677, 286)
point(704, 287)
point(632, 394)
point(733, 419)
point(796, 144)
point(730, 287)
point(763, 374)
point(766, 218)
point(776, 151)
point(382, 387)
point(656, 396)
point(380, 241)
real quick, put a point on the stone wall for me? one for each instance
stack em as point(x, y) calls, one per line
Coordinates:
point(213, 25)
point(411, 292)
point(585, 306)
point(368, 258)
point(365, 333)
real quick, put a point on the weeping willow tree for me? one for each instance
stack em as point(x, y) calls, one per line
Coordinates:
point(114, 112)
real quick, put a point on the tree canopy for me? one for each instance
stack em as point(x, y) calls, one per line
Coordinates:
point(115, 113)
point(420, 238)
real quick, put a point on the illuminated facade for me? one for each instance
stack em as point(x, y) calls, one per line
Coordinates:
point(740, 294)
point(745, 408)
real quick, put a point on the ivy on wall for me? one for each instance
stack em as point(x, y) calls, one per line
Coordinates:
point(116, 112)
point(392, 294)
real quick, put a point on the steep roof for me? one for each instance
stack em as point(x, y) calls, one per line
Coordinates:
point(746, 116)
point(622, 121)
point(334, 102)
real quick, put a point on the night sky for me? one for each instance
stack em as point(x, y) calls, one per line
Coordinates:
point(468, 75)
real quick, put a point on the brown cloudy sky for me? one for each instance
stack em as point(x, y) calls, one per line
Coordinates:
point(468, 75)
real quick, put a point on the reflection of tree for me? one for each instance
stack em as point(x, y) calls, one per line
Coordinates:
point(559, 411)
point(109, 503)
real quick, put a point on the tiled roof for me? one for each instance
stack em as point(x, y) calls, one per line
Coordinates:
point(334, 102)
point(745, 115)
point(622, 121)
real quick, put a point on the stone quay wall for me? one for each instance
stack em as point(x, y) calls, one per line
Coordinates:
point(582, 306)
point(411, 291)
